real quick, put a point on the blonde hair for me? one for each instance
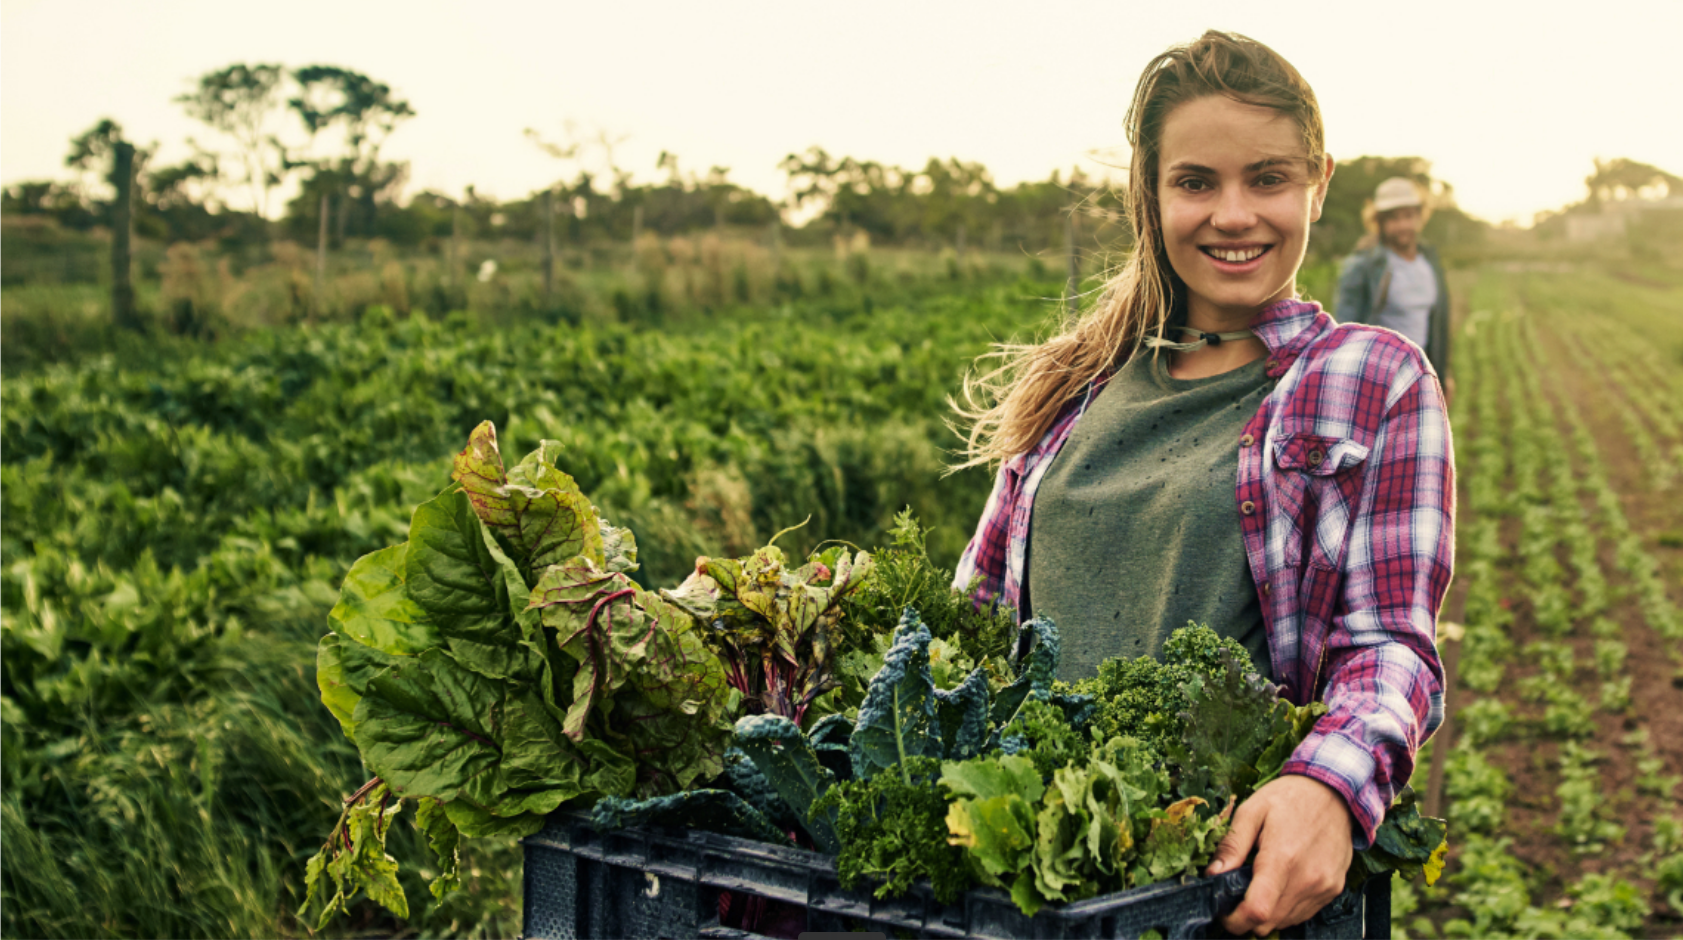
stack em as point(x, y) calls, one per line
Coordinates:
point(1010, 407)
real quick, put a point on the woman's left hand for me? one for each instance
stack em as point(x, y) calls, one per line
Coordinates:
point(1300, 828)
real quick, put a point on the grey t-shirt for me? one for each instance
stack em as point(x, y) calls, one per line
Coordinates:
point(1409, 298)
point(1135, 529)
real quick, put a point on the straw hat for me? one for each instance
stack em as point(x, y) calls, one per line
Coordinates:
point(1396, 193)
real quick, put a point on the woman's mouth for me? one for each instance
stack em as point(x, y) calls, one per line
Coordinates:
point(1236, 260)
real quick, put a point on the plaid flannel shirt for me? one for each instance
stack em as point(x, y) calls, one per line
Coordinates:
point(1346, 501)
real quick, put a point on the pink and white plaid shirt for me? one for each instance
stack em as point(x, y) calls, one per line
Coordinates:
point(1346, 500)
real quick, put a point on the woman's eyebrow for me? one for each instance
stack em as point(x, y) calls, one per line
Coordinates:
point(1262, 164)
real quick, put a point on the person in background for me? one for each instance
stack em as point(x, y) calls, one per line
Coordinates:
point(1395, 281)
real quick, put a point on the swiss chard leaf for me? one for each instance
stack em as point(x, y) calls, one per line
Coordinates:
point(445, 840)
point(469, 589)
point(644, 676)
point(375, 609)
point(429, 726)
point(536, 510)
point(355, 859)
point(1406, 842)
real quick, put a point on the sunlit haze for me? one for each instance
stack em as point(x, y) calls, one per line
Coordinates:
point(1510, 103)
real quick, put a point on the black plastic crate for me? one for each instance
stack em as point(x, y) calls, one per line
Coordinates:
point(646, 884)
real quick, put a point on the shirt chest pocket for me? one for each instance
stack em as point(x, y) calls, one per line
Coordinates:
point(1319, 480)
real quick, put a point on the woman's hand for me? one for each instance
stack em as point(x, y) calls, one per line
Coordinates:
point(1300, 828)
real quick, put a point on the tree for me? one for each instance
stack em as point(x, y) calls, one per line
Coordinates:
point(241, 101)
point(92, 151)
point(1623, 178)
point(365, 113)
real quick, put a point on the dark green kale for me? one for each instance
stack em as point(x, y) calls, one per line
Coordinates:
point(893, 827)
point(1143, 698)
point(905, 576)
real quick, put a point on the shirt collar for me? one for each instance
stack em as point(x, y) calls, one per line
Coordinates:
point(1287, 327)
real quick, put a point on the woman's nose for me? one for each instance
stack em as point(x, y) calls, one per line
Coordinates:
point(1233, 211)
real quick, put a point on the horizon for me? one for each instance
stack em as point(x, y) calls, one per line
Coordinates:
point(700, 84)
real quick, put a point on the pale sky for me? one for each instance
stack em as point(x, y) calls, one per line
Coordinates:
point(1511, 102)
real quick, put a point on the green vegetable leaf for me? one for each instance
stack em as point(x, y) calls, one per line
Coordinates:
point(429, 726)
point(896, 832)
point(718, 811)
point(444, 840)
point(1406, 842)
point(962, 714)
point(670, 702)
point(1233, 718)
point(990, 777)
point(781, 752)
point(374, 607)
point(355, 860)
point(477, 823)
point(1035, 671)
point(336, 693)
point(897, 720)
point(536, 510)
point(469, 588)
point(993, 819)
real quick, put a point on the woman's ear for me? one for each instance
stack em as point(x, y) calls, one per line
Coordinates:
point(1320, 197)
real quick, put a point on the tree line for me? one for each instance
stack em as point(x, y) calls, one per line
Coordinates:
point(324, 127)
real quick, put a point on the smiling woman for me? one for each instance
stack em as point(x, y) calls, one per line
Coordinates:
point(1204, 446)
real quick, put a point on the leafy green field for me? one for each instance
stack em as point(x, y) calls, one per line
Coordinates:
point(176, 527)
point(177, 519)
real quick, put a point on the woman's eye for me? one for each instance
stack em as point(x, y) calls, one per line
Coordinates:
point(1193, 184)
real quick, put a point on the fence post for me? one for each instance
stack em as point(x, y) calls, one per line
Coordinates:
point(455, 237)
point(548, 248)
point(321, 259)
point(1072, 290)
point(122, 235)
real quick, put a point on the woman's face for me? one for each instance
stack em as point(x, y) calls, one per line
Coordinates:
point(1237, 196)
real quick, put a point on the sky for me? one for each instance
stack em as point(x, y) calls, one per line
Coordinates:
point(1511, 102)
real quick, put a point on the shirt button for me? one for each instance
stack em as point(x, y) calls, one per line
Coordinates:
point(1247, 440)
point(1247, 507)
point(1267, 587)
point(1315, 458)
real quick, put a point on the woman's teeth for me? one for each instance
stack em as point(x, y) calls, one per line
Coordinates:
point(1236, 257)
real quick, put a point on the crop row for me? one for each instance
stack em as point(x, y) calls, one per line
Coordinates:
point(1515, 465)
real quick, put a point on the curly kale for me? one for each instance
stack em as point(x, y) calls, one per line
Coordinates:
point(1041, 733)
point(1143, 697)
point(896, 831)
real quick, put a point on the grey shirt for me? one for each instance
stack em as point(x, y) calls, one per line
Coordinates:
point(1409, 298)
point(1135, 530)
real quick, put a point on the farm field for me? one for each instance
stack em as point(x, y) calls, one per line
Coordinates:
point(1559, 766)
point(175, 527)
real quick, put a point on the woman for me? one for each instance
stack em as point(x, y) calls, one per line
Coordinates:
point(1203, 445)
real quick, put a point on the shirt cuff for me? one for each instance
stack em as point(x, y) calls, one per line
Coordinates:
point(1348, 768)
